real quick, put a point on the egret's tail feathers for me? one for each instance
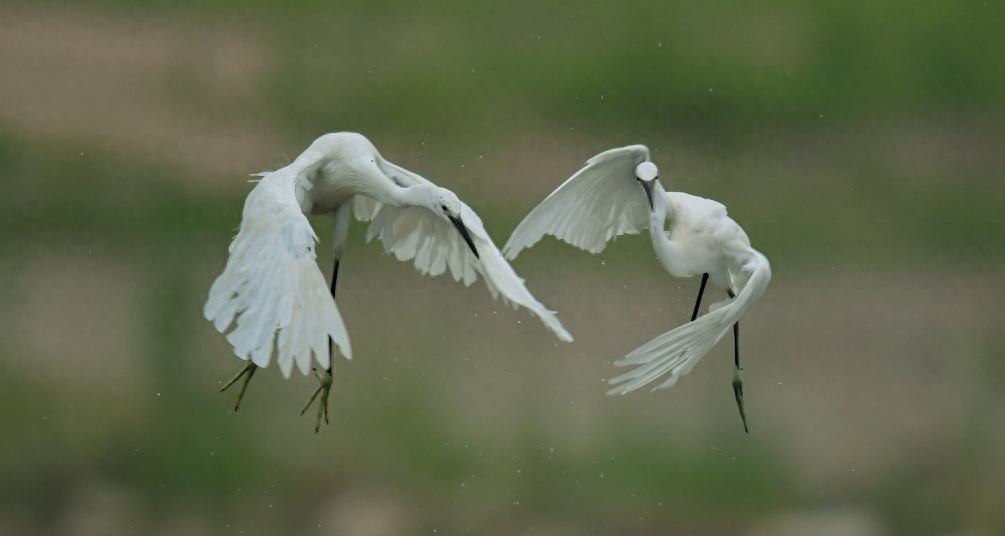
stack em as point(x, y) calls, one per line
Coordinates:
point(677, 351)
point(272, 290)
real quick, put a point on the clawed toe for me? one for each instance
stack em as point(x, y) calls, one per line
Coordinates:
point(326, 381)
point(248, 371)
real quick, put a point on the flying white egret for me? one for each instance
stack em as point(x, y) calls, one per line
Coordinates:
point(618, 192)
point(271, 289)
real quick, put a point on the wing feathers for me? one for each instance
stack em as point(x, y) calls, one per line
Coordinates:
point(435, 247)
point(600, 201)
point(680, 349)
point(272, 285)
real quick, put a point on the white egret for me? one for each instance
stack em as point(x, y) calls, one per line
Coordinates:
point(272, 290)
point(619, 192)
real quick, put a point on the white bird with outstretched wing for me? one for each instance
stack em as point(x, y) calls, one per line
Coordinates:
point(273, 294)
point(618, 192)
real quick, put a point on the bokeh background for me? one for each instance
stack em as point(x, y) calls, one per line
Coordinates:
point(860, 144)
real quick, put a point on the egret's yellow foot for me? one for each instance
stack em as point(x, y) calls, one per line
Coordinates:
point(738, 392)
point(248, 371)
point(323, 389)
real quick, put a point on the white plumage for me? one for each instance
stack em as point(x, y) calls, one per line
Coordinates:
point(677, 351)
point(272, 284)
point(272, 290)
point(599, 202)
point(618, 192)
point(416, 233)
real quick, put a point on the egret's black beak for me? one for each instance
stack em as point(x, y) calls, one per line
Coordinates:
point(648, 187)
point(461, 228)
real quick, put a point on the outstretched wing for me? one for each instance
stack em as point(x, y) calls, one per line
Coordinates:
point(600, 201)
point(272, 285)
point(435, 246)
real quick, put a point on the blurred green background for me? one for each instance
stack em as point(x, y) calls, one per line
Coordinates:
point(860, 144)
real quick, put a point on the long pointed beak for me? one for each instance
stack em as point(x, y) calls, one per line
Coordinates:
point(648, 187)
point(461, 228)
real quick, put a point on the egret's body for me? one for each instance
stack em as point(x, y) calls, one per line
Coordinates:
point(700, 239)
point(618, 192)
point(272, 289)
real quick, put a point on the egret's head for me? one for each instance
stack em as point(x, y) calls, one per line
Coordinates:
point(647, 173)
point(447, 203)
point(449, 206)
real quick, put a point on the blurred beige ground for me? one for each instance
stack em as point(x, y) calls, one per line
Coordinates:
point(72, 73)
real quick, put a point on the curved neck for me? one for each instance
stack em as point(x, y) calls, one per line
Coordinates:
point(666, 250)
point(387, 190)
point(410, 196)
point(661, 210)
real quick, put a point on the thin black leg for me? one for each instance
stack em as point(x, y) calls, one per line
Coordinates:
point(334, 277)
point(331, 342)
point(326, 379)
point(736, 343)
point(736, 335)
point(697, 304)
point(738, 372)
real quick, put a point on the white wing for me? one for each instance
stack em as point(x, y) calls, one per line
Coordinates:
point(436, 246)
point(602, 200)
point(272, 284)
point(677, 351)
point(365, 207)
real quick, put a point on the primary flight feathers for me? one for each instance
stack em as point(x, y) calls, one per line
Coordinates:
point(599, 202)
point(272, 284)
point(415, 233)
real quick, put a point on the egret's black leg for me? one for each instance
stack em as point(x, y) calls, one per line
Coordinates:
point(736, 335)
point(701, 290)
point(331, 342)
point(737, 371)
point(325, 379)
point(736, 344)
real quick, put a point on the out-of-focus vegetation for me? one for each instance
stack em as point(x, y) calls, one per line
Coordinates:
point(858, 143)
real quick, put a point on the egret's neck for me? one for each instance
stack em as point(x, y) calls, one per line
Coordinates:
point(668, 252)
point(661, 210)
point(413, 196)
